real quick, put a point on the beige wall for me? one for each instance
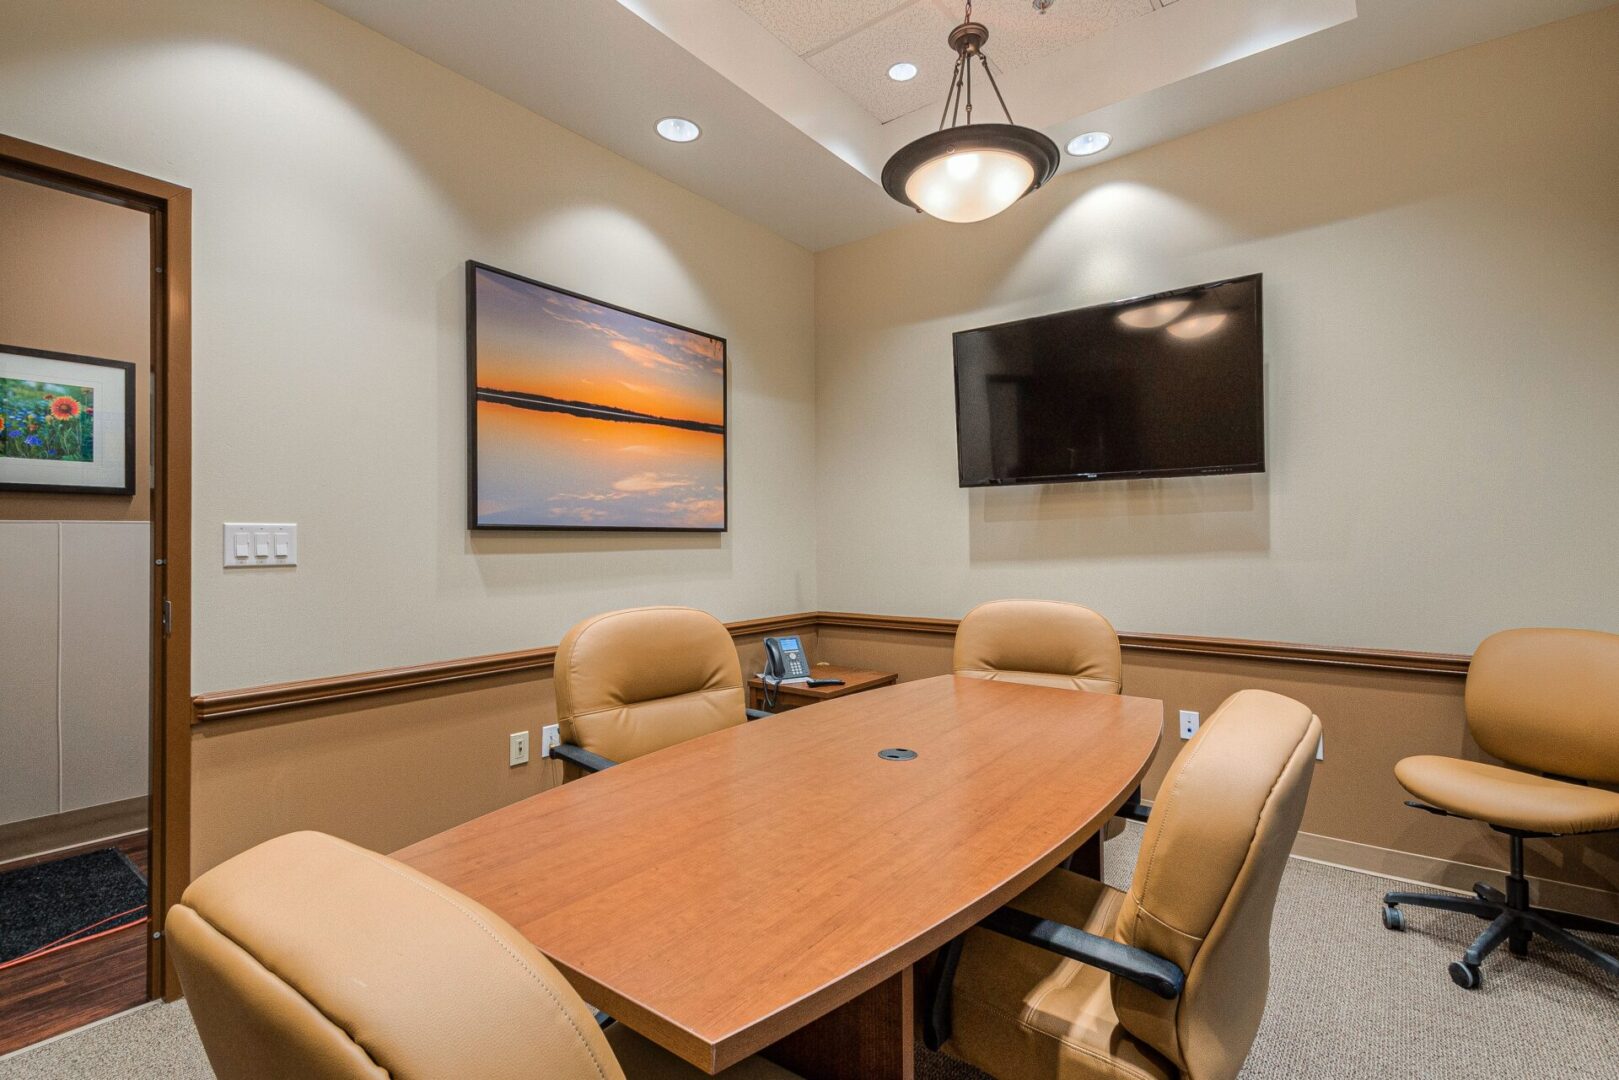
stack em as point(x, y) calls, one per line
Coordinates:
point(340, 183)
point(382, 771)
point(1440, 247)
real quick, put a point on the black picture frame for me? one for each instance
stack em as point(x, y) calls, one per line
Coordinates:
point(473, 524)
point(128, 371)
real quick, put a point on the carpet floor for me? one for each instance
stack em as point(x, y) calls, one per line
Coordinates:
point(1349, 1000)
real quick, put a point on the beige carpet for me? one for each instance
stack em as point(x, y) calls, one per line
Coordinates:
point(1348, 1001)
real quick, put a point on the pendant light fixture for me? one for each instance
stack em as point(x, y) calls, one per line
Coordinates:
point(969, 172)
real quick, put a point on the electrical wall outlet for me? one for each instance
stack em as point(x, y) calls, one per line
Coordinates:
point(1321, 749)
point(550, 737)
point(519, 748)
point(1189, 722)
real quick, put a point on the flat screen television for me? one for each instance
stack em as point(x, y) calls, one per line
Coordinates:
point(1165, 385)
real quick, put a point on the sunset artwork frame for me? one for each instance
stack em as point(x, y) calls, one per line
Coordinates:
point(67, 423)
point(583, 415)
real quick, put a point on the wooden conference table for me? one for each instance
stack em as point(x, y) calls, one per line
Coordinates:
point(769, 887)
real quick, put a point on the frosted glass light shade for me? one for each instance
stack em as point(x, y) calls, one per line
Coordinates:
point(969, 185)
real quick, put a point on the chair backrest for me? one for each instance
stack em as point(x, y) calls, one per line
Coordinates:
point(631, 682)
point(1548, 700)
point(1205, 884)
point(1044, 642)
point(307, 958)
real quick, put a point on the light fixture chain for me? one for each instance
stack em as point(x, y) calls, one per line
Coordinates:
point(996, 87)
point(955, 82)
point(969, 92)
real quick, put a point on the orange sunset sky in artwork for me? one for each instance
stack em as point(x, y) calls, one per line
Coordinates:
point(574, 464)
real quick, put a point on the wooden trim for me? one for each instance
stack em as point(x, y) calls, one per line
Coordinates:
point(53, 833)
point(170, 207)
point(1328, 655)
point(223, 704)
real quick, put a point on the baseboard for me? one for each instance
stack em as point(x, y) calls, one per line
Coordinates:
point(59, 832)
point(1446, 874)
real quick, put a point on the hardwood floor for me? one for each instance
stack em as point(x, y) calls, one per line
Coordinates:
point(63, 990)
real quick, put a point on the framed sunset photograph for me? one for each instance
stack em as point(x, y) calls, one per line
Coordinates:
point(67, 423)
point(585, 415)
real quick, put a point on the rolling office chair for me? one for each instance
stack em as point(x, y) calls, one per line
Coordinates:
point(1042, 642)
point(1045, 643)
point(1074, 979)
point(1542, 700)
point(634, 681)
point(307, 958)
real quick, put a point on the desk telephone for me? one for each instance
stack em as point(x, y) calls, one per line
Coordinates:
point(785, 662)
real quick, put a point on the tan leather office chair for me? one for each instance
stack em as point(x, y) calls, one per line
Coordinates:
point(634, 681)
point(1546, 702)
point(1044, 642)
point(1074, 979)
point(307, 958)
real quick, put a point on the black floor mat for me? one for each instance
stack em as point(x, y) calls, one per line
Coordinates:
point(73, 897)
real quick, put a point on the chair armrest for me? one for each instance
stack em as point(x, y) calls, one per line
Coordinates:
point(1151, 972)
point(757, 714)
point(581, 757)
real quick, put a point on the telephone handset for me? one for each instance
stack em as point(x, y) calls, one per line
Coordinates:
point(785, 660)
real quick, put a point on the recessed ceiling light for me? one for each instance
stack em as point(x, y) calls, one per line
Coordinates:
point(678, 129)
point(902, 72)
point(1092, 142)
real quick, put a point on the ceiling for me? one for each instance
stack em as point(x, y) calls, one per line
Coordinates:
point(853, 43)
point(797, 121)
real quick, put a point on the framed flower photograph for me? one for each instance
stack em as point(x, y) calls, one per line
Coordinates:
point(67, 423)
point(586, 415)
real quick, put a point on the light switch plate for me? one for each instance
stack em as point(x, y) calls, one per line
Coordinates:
point(260, 544)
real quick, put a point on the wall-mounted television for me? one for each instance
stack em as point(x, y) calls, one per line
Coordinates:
point(1165, 385)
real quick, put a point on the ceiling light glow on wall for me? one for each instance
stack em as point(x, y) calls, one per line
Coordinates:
point(969, 172)
point(1092, 142)
point(678, 129)
point(902, 72)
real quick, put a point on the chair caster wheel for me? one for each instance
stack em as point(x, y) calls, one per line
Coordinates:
point(1393, 918)
point(1465, 975)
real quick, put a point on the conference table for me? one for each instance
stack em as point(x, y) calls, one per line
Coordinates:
point(769, 888)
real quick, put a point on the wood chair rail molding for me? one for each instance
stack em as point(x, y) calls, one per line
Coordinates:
point(223, 704)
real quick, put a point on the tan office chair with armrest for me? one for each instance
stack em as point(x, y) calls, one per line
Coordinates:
point(634, 681)
point(1544, 700)
point(307, 958)
point(1075, 980)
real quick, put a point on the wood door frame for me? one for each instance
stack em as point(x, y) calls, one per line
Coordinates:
point(170, 791)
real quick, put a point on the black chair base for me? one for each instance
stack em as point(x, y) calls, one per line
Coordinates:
point(1512, 920)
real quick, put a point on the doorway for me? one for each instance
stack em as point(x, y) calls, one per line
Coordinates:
point(94, 483)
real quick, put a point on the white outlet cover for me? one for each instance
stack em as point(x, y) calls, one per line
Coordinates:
point(550, 736)
point(1189, 723)
point(519, 748)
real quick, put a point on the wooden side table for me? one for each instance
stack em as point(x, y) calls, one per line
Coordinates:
point(797, 695)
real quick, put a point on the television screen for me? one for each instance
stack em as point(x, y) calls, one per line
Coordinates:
point(1164, 385)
